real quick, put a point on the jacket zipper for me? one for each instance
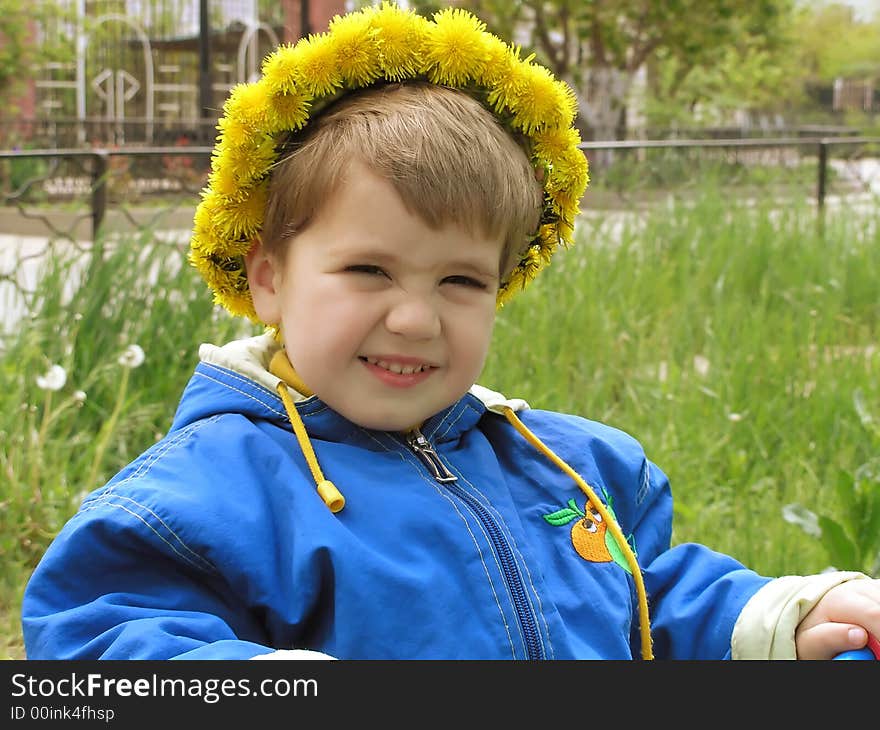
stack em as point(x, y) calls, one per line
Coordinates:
point(423, 449)
point(426, 453)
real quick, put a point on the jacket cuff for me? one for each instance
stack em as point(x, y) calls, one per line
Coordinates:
point(293, 654)
point(766, 625)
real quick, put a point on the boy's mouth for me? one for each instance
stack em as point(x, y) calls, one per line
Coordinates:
point(395, 366)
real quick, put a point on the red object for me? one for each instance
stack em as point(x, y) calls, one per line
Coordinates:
point(874, 645)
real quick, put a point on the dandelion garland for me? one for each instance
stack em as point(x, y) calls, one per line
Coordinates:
point(378, 44)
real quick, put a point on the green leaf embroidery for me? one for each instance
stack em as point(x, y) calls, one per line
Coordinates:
point(617, 553)
point(562, 516)
point(611, 543)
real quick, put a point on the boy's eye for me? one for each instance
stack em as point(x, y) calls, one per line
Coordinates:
point(366, 269)
point(464, 281)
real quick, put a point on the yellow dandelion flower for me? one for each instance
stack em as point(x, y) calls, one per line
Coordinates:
point(455, 48)
point(569, 172)
point(238, 303)
point(356, 49)
point(498, 58)
point(233, 132)
point(221, 239)
point(241, 219)
point(229, 282)
point(511, 76)
point(208, 238)
point(400, 35)
point(214, 276)
point(249, 162)
point(279, 70)
point(505, 294)
point(564, 203)
point(553, 143)
point(316, 65)
point(565, 231)
point(247, 104)
point(545, 244)
point(206, 210)
point(525, 271)
point(541, 101)
point(223, 181)
point(288, 111)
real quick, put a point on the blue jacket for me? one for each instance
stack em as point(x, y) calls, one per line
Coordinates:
point(215, 544)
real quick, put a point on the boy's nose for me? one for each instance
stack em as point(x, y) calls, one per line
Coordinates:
point(413, 317)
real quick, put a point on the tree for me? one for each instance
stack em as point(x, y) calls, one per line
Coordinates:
point(745, 76)
point(16, 42)
point(598, 46)
point(22, 45)
point(833, 43)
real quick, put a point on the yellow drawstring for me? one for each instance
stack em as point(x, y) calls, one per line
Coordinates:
point(281, 367)
point(644, 618)
point(327, 490)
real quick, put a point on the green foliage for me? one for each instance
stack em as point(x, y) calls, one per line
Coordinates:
point(19, 175)
point(832, 43)
point(850, 535)
point(729, 338)
point(746, 75)
point(27, 39)
point(665, 171)
point(60, 444)
point(15, 37)
point(599, 47)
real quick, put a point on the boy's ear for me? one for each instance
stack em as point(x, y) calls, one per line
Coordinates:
point(263, 277)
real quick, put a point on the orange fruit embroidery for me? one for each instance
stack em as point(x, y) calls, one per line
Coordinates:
point(589, 534)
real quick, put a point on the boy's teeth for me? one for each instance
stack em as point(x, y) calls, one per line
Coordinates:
point(396, 367)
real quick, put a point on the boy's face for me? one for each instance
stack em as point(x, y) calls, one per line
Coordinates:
point(386, 320)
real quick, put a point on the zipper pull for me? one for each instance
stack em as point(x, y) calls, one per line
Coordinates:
point(423, 449)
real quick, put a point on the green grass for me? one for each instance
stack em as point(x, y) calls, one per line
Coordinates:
point(57, 447)
point(732, 341)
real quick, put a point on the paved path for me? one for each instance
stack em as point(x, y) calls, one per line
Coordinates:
point(21, 262)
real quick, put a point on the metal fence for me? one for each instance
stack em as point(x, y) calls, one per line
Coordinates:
point(633, 173)
point(74, 193)
point(62, 200)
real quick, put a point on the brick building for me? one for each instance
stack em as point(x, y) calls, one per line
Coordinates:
point(151, 71)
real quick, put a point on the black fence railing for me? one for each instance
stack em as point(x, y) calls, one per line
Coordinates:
point(810, 167)
point(53, 192)
point(77, 193)
point(105, 133)
point(132, 131)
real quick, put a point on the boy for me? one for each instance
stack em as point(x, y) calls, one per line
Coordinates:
point(373, 198)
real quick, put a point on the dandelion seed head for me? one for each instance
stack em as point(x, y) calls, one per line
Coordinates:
point(54, 378)
point(132, 357)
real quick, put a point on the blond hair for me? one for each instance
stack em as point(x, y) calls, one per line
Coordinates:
point(446, 155)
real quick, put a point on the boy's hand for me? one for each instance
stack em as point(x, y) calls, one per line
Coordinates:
point(840, 621)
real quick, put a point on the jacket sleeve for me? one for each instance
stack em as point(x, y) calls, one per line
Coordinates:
point(117, 583)
point(695, 594)
point(766, 627)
